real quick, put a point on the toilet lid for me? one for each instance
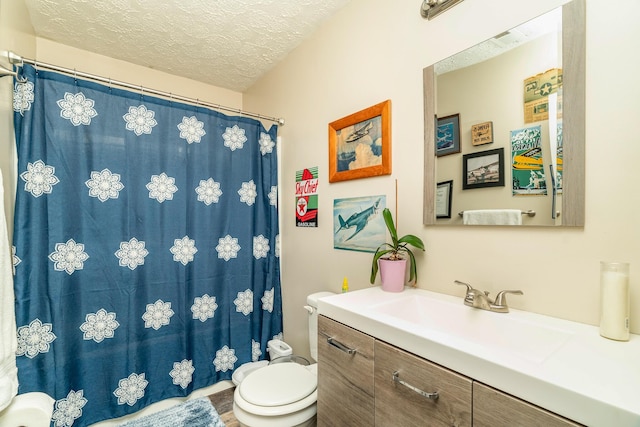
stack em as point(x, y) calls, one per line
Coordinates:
point(279, 384)
point(241, 373)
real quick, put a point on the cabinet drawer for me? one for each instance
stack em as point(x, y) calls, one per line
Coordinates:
point(493, 408)
point(400, 405)
point(345, 381)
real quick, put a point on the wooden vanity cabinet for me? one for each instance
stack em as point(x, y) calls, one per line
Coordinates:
point(402, 404)
point(493, 408)
point(345, 381)
point(356, 387)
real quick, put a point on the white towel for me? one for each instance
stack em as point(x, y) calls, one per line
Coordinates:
point(492, 217)
point(8, 340)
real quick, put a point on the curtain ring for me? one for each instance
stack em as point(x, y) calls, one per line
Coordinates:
point(75, 76)
point(24, 79)
point(20, 78)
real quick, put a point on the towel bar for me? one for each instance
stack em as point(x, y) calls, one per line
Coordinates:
point(530, 213)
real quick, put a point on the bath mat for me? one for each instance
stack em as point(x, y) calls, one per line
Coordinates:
point(192, 413)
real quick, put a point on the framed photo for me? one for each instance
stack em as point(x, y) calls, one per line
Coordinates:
point(482, 133)
point(483, 169)
point(443, 199)
point(448, 135)
point(360, 144)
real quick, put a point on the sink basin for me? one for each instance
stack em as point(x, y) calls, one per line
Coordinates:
point(499, 332)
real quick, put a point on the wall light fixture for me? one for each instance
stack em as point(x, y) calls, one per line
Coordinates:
point(432, 8)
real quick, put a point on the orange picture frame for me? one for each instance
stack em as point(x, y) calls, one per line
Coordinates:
point(360, 144)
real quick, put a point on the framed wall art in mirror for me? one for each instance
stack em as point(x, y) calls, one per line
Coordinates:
point(483, 169)
point(448, 135)
point(360, 144)
point(482, 133)
point(443, 199)
point(456, 81)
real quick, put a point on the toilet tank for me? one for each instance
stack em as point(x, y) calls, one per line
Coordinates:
point(312, 308)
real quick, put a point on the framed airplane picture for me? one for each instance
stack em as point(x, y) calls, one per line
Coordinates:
point(358, 224)
point(448, 135)
point(483, 169)
point(360, 144)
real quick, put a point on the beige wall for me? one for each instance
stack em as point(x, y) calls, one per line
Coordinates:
point(375, 50)
point(72, 58)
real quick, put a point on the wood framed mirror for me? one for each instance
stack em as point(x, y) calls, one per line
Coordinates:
point(567, 207)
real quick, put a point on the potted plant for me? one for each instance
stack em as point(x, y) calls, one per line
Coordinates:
point(392, 257)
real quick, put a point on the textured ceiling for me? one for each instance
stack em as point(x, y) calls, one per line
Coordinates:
point(225, 43)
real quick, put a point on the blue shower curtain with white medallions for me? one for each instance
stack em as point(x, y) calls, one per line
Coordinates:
point(145, 245)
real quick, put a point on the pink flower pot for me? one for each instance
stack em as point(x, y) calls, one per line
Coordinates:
point(392, 274)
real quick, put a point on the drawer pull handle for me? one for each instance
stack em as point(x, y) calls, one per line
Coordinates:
point(340, 346)
point(430, 396)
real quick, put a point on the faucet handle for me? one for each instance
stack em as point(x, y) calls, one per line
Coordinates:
point(501, 299)
point(469, 287)
point(470, 296)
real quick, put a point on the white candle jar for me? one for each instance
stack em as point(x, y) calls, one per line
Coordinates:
point(614, 300)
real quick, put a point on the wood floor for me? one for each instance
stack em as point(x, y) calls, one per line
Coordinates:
point(223, 402)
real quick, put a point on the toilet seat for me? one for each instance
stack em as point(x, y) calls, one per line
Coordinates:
point(278, 377)
point(278, 385)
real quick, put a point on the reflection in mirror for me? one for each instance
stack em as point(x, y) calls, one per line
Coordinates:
point(521, 92)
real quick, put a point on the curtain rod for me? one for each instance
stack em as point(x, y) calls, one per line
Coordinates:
point(17, 60)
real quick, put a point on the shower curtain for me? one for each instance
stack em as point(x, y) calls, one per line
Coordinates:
point(146, 245)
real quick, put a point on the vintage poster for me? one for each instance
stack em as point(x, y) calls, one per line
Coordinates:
point(527, 171)
point(536, 95)
point(358, 223)
point(307, 197)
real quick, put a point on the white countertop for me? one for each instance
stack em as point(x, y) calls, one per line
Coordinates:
point(571, 370)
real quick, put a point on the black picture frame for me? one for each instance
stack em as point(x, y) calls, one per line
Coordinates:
point(444, 196)
point(483, 169)
point(447, 135)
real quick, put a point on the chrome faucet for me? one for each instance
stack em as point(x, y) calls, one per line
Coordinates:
point(479, 299)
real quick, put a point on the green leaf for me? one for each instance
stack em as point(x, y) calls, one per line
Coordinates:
point(388, 220)
point(413, 273)
point(414, 241)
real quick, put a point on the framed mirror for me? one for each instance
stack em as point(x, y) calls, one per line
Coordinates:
point(522, 92)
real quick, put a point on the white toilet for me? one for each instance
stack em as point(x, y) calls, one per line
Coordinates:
point(280, 394)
